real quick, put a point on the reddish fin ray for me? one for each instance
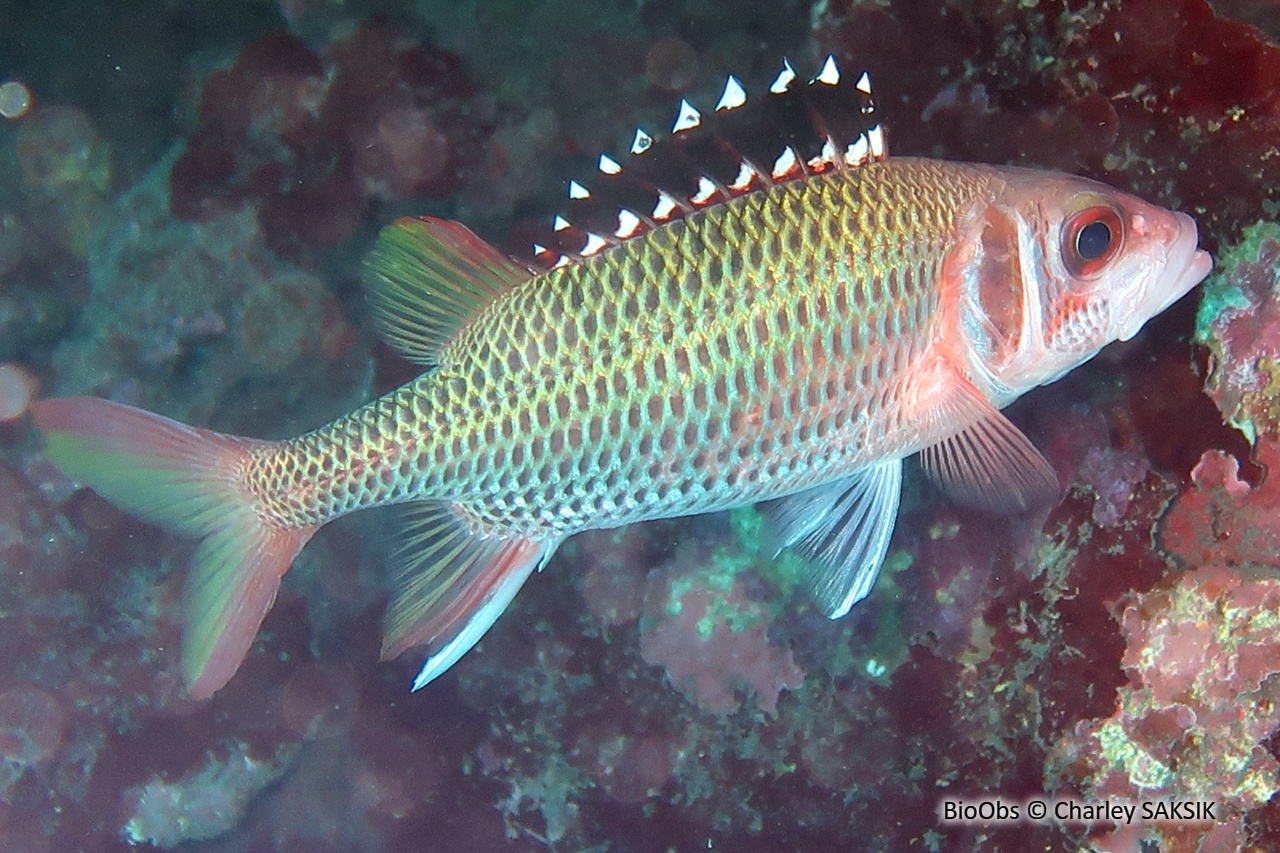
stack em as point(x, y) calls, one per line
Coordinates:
point(454, 581)
point(989, 463)
point(188, 480)
point(427, 277)
point(235, 575)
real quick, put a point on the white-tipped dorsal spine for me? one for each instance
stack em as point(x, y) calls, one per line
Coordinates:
point(783, 81)
point(829, 74)
point(594, 244)
point(875, 139)
point(641, 143)
point(868, 146)
point(628, 224)
point(665, 207)
point(746, 174)
point(706, 191)
point(858, 152)
point(828, 157)
point(733, 96)
point(785, 164)
point(688, 118)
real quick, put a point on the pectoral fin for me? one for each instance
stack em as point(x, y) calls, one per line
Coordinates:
point(843, 528)
point(988, 463)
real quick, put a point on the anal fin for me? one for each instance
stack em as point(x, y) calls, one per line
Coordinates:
point(843, 528)
point(454, 582)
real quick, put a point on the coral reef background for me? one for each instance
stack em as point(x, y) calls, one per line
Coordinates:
point(186, 190)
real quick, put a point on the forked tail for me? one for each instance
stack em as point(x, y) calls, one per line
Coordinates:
point(191, 481)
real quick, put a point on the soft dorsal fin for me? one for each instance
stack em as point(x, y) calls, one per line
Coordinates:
point(427, 277)
point(744, 145)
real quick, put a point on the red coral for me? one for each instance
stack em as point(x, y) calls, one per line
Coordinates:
point(1244, 338)
point(31, 724)
point(629, 768)
point(66, 173)
point(314, 138)
point(320, 701)
point(715, 646)
point(1112, 474)
point(1142, 93)
point(1203, 659)
point(290, 315)
point(612, 585)
point(1223, 519)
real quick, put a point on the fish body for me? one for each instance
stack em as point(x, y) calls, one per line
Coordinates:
point(793, 343)
point(739, 354)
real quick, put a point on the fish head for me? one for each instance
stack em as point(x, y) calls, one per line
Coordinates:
point(1056, 267)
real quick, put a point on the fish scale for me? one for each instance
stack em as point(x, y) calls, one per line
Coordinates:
point(746, 351)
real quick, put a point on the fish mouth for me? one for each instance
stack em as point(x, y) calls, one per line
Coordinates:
point(1185, 266)
point(1186, 255)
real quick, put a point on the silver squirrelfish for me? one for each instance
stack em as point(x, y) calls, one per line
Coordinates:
point(790, 327)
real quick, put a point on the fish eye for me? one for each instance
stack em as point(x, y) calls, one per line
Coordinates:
point(1091, 238)
point(1093, 241)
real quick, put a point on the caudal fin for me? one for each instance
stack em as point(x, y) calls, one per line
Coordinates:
point(191, 481)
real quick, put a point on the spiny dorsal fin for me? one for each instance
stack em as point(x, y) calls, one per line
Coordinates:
point(427, 277)
point(745, 144)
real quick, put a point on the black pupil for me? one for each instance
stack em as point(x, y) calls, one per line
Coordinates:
point(1093, 240)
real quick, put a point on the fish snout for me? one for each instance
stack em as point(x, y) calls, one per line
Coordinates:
point(1186, 265)
point(1181, 266)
